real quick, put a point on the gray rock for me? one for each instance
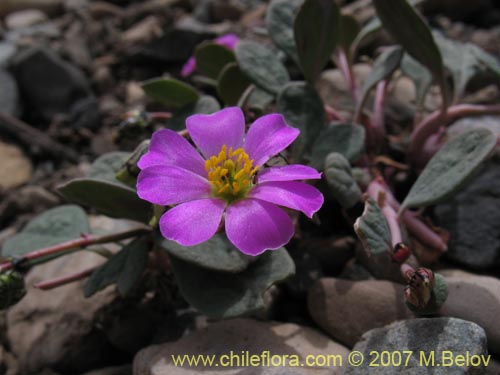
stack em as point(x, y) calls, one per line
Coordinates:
point(237, 336)
point(444, 337)
point(51, 86)
point(24, 18)
point(476, 299)
point(472, 218)
point(9, 95)
point(347, 309)
point(116, 370)
point(7, 50)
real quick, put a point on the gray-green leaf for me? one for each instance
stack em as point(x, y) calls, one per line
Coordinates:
point(216, 254)
point(106, 166)
point(420, 76)
point(124, 268)
point(316, 32)
point(112, 199)
point(54, 226)
point(383, 68)
point(450, 168)
point(170, 92)
point(262, 66)
point(346, 139)
point(372, 229)
point(280, 18)
point(231, 84)
point(303, 109)
point(409, 29)
point(206, 104)
point(211, 59)
point(230, 295)
point(342, 184)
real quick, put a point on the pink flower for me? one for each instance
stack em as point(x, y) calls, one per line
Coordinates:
point(227, 179)
point(228, 40)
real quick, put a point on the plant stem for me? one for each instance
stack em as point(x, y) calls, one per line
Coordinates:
point(435, 120)
point(405, 269)
point(378, 110)
point(63, 280)
point(160, 115)
point(332, 114)
point(346, 68)
point(84, 241)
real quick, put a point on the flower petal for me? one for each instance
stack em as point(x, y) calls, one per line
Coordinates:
point(189, 67)
point(254, 226)
point(292, 194)
point(268, 136)
point(210, 132)
point(169, 148)
point(288, 173)
point(228, 40)
point(168, 184)
point(193, 222)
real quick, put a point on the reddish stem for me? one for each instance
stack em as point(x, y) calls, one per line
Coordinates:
point(405, 269)
point(160, 115)
point(346, 68)
point(84, 241)
point(63, 280)
point(414, 225)
point(378, 110)
point(332, 114)
point(434, 121)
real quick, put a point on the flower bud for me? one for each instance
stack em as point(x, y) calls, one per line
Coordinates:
point(400, 253)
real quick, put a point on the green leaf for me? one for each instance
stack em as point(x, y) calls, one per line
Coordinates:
point(216, 254)
point(112, 199)
point(409, 29)
point(316, 33)
point(211, 58)
point(346, 139)
point(367, 32)
point(383, 68)
point(450, 168)
point(170, 92)
point(106, 166)
point(232, 83)
point(54, 226)
point(342, 184)
point(124, 268)
point(372, 230)
point(259, 100)
point(303, 109)
point(231, 295)
point(420, 76)
point(280, 18)
point(262, 66)
point(349, 29)
point(206, 104)
point(465, 61)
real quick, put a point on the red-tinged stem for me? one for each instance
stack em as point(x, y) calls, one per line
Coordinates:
point(378, 110)
point(346, 68)
point(183, 133)
point(434, 121)
point(332, 114)
point(414, 225)
point(85, 241)
point(378, 192)
point(160, 115)
point(405, 270)
point(63, 280)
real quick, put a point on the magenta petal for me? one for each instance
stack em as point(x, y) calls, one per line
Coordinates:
point(169, 148)
point(288, 173)
point(268, 136)
point(254, 226)
point(292, 194)
point(210, 132)
point(189, 67)
point(167, 184)
point(193, 222)
point(228, 40)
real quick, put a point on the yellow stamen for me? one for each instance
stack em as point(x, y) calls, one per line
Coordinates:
point(231, 173)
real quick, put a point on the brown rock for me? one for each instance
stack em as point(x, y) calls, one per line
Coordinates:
point(476, 299)
point(347, 309)
point(237, 336)
point(24, 18)
point(58, 329)
point(15, 168)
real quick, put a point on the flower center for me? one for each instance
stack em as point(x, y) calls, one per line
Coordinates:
point(231, 173)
